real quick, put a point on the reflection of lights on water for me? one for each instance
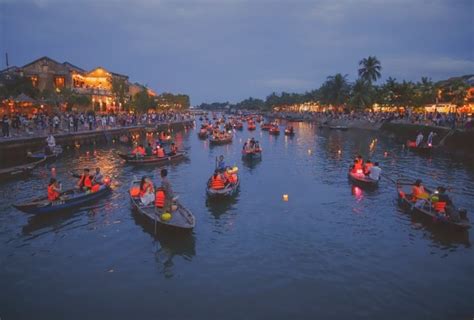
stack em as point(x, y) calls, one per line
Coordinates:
point(357, 192)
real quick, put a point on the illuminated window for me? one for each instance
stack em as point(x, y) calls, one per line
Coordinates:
point(34, 81)
point(59, 82)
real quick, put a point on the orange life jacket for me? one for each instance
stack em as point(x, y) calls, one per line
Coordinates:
point(52, 193)
point(440, 206)
point(367, 167)
point(145, 188)
point(217, 183)
point(357, 167)
point(418, 192)
point(135, 191)
point(85, 181)
point(95, 188)
point(160, 198)
point(139, 150)
point(160, 153)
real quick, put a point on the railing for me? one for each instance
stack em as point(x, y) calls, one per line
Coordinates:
point(92, 91)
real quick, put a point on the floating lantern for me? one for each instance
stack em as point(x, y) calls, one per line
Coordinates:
point(285, 197)
point(339, 151)
point(385, 154)
point(309, 151)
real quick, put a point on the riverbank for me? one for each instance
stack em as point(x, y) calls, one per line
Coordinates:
point(15, 149)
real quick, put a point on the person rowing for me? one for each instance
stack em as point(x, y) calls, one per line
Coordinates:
point(221, 163)
point(167, 189)
point(419, 139)
point(375, 172)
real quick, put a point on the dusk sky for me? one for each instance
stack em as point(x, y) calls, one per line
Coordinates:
point(228, 50)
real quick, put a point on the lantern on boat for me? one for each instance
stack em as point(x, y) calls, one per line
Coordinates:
point(166, 216)
point(107, 180)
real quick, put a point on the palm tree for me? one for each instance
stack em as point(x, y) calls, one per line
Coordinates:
point(370, 69)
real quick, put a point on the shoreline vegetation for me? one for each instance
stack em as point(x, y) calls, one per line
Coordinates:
point(339, 94)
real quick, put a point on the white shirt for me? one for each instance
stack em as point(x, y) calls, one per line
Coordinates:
point(51, 141)
point(375, 173)
point(419, 139)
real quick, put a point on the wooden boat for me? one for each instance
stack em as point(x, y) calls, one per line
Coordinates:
point(133, 159)
point(218, 141)
point(289, 132)
point(19, 171)
point(362, 180)
point(181, 218)
point(427, 211)
point(342, 128)
point(42, 155)
point(274, 130)
point(230, 190)
point(71, 199)
point(265, 126)
point(422, 148)
point(252, 155)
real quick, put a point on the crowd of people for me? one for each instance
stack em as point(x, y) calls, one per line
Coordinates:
point(41, 123)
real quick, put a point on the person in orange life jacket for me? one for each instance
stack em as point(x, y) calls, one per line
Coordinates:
point(147, 191)
point(54, 190)
point(85, 181)
point(444, 205)
point(139, 151)
point(217, 181)
point(357, 167)
point(160, 152)
point(166, 187)
point(367, 166)
point(419, 194)
point(231, 178)
point(360, 160)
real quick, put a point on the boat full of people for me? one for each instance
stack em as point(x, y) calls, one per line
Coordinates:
point(157, 156)
point(251, 150)
point(223, 183)
point(435, 205)
point(364, 174)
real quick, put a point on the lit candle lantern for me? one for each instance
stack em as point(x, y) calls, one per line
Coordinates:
point(285, 197)
point(309, 151)
point(385, 154)
point(339, 151)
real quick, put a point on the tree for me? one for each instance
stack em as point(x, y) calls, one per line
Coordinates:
point(142, 101)
point(335, 91)
point(13, 85)
point(370, 68)
point(361, 95)
point(119, 89)
point(425, 92)
point(455, 92)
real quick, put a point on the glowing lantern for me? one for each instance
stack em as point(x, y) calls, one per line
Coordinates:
point(285, 197)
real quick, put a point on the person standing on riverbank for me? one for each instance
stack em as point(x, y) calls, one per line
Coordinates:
point(5, 126)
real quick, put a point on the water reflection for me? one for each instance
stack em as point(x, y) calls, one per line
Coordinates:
point(218, 207)
point(173, 242)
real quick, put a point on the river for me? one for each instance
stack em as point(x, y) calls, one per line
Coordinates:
point(330, 251)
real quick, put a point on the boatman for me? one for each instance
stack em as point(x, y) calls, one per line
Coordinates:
point(419, 139)
point(430, 138)
point(51, 144)
point(166, 186)
point(375, 172)
point(221, 163)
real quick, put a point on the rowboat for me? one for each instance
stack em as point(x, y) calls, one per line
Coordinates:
point(265, 126)
point(42, 155)
point(70, 199)
point(427, 210)
point(133, 159)
point(362, 180)
point(218, 141)
point(274, 130)
point(342, 128)
point(251, 126)
point(181, 218)
point(229, 190)
point(19, 171)
point(252, 155)
point(422, 148)
point(202, 134)
point(238, 126)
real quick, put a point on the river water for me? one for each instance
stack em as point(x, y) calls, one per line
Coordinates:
point(331, 251)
